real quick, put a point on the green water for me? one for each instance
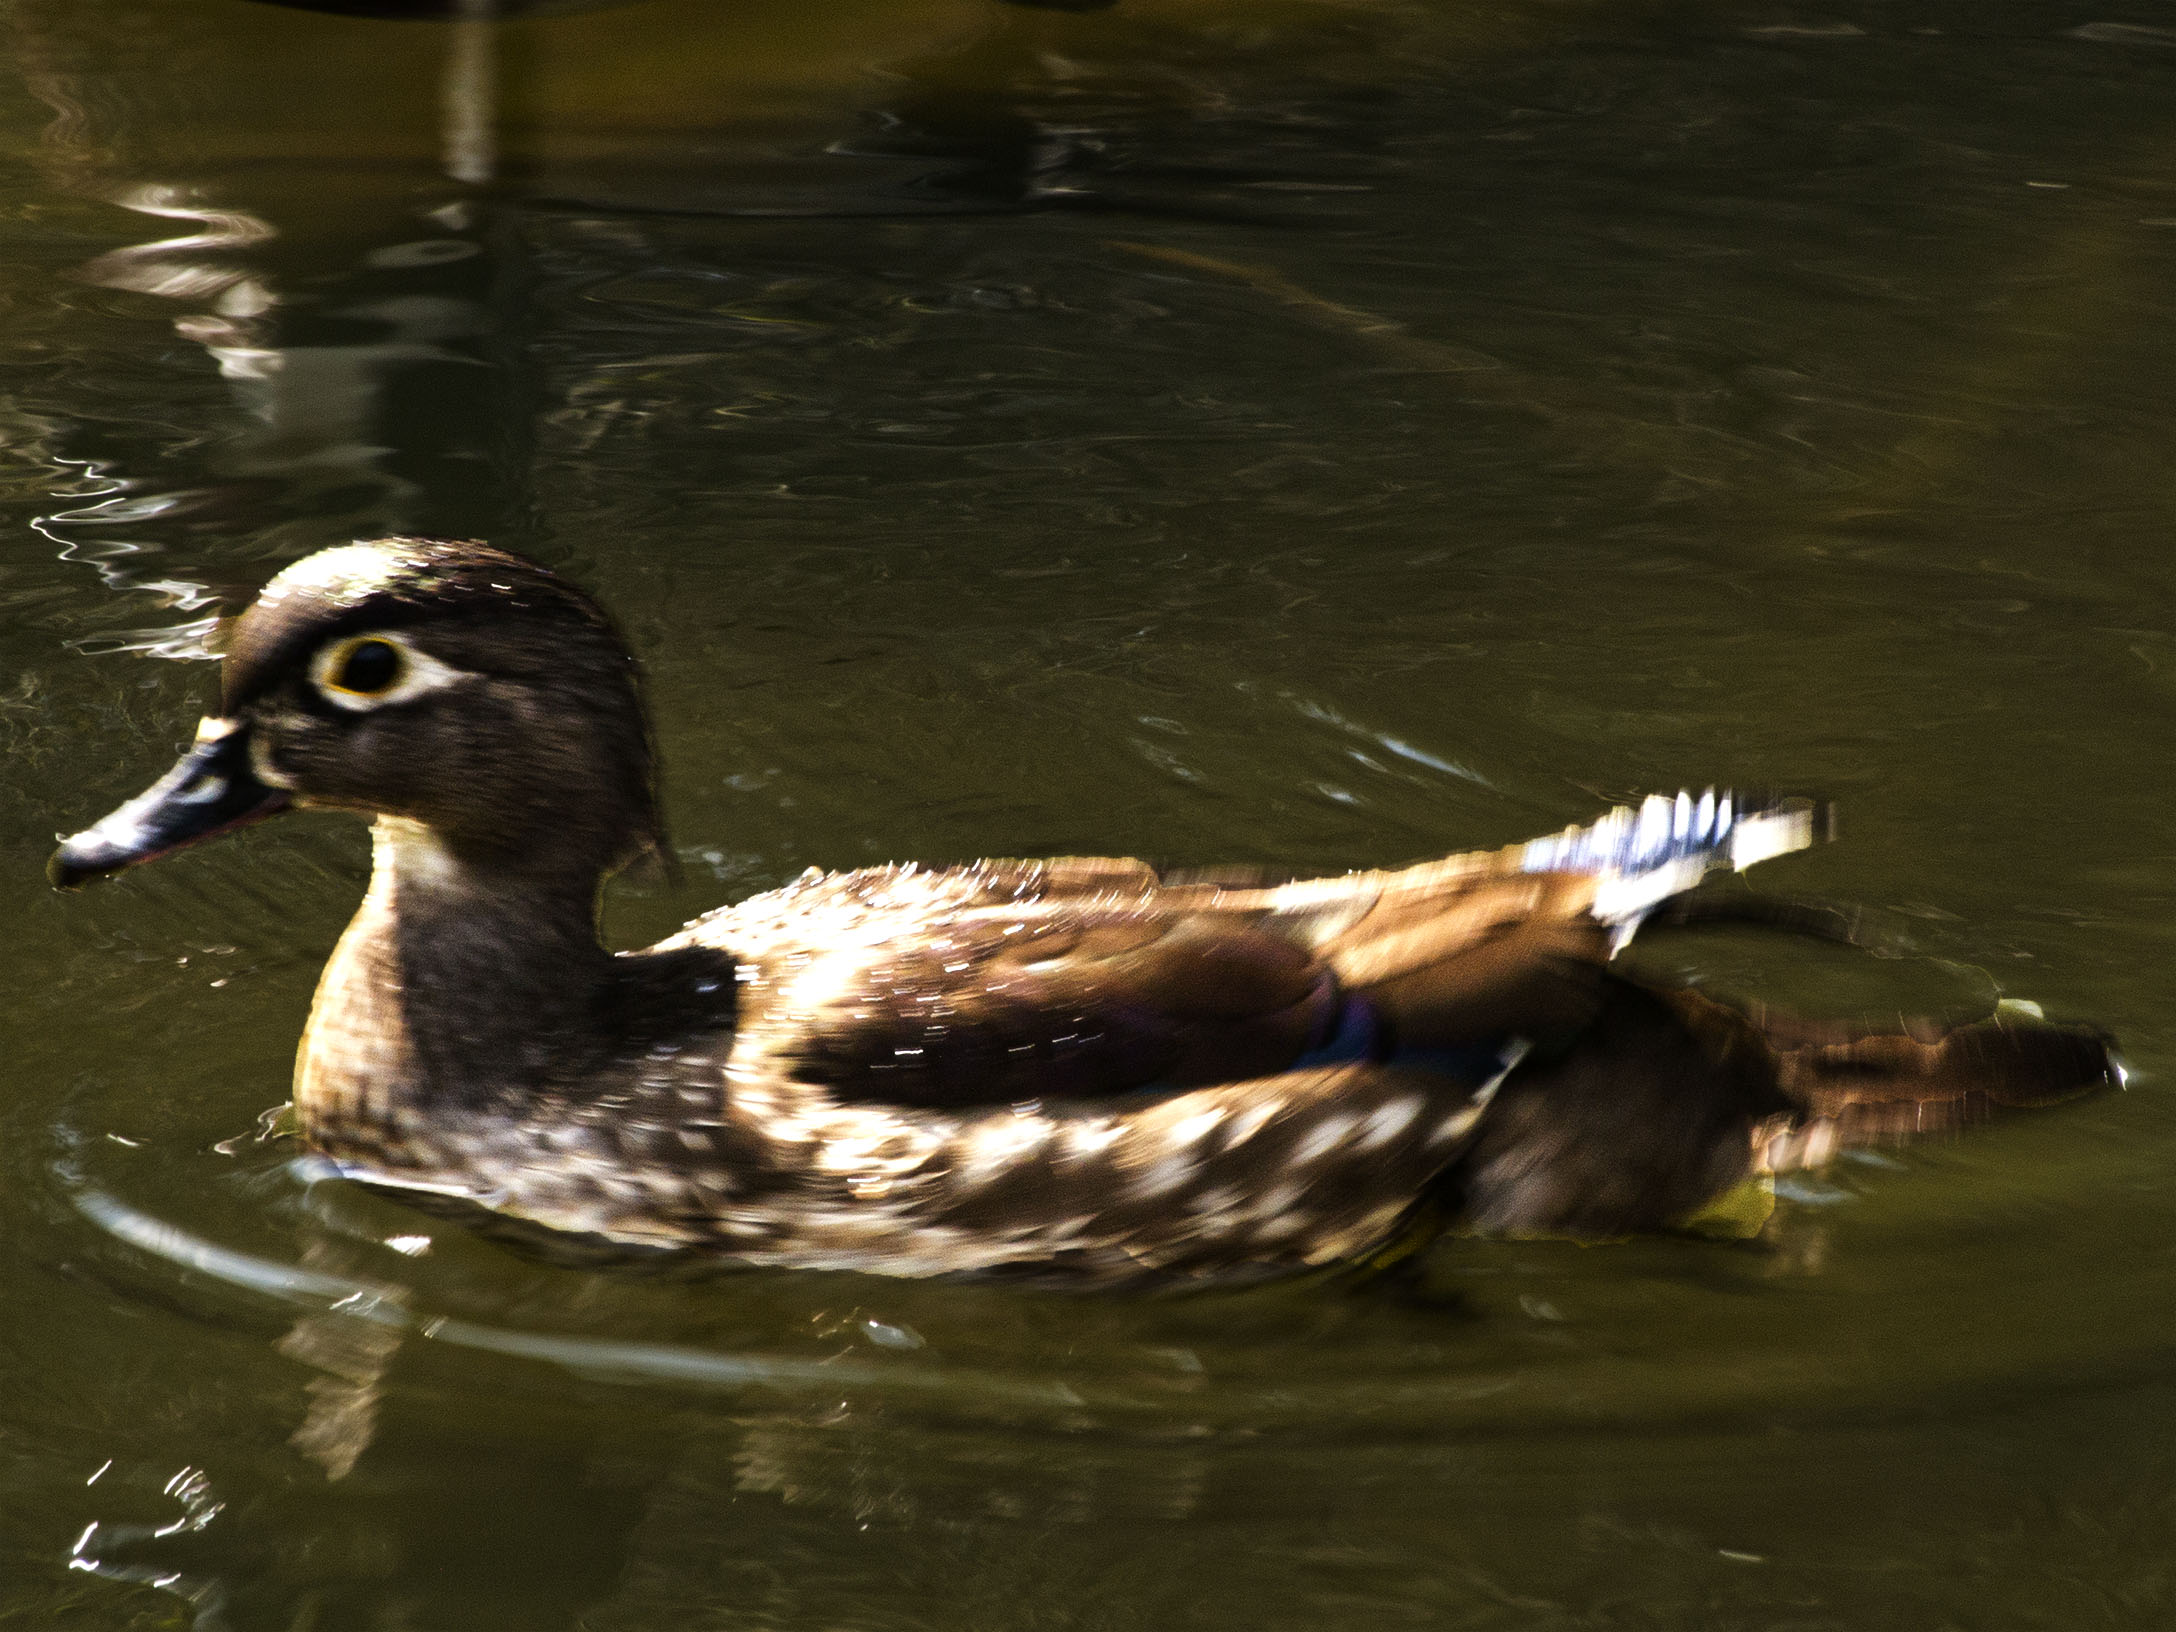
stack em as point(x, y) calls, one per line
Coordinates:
point(1307, 433)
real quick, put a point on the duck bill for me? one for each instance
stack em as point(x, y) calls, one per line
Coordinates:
point(211, 790)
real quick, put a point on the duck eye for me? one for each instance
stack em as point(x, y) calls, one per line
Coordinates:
point(366, 668)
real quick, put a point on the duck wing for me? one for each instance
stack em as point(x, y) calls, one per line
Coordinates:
point(1088, 977)
point(1010, 982)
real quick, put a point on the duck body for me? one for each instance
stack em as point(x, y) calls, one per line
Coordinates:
point(1074, 1071)
point(1066, 1069)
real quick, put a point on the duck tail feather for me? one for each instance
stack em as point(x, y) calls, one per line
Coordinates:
point(1872, 1088)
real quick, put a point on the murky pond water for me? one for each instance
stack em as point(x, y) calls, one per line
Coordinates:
point(1296, 432)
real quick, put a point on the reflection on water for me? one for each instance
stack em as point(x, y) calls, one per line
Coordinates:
point(1225, 430)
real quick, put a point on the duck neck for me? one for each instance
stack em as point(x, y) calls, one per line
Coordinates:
point(460, 982)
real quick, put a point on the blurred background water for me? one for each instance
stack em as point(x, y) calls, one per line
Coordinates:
point(1314, 432)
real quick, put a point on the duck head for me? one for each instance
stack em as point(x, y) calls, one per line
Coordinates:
point(448, 685)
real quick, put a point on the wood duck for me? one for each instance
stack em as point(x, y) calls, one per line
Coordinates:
point(1074, 1071)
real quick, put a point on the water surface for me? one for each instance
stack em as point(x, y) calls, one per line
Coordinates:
point(1312, 434)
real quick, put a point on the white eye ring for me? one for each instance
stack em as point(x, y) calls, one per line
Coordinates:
point(416, 674)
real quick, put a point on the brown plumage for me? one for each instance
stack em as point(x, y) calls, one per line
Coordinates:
point(1075, 1071)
